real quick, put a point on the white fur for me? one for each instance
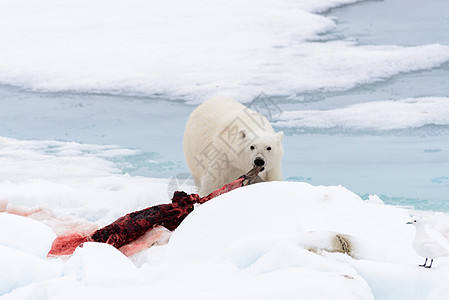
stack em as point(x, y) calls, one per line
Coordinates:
point(218, 139)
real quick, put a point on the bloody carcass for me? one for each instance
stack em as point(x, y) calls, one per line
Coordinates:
point(134, 225)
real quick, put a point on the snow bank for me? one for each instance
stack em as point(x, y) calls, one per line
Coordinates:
point(101, 265)
point(24, 244)
point(270, 240)
point(21, 268)
point(190, 50)
point(287, 239)
point(25, 234)
point(378, 115)
point(275, 209)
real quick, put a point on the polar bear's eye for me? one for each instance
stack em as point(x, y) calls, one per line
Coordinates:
point(252, 148)
point(268, 148)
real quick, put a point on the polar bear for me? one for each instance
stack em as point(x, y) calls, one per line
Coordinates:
point(224, 139)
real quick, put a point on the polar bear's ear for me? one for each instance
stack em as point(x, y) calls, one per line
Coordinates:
point(242, 133)
point(280, 136)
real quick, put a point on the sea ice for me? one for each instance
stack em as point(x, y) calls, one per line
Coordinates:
point(190, 50)
point(376, 115)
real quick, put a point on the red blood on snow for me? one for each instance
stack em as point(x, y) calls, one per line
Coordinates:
point(133, 225)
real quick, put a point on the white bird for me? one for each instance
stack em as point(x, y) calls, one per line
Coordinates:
point(426, 246)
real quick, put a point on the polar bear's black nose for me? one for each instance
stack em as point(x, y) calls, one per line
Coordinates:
point(259, 162)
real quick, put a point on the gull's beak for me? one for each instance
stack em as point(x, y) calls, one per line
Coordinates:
point(409, 222)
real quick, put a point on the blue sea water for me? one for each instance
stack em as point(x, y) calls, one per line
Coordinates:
point(408, 167)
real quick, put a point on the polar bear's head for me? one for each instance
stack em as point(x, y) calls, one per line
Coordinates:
point(259, 148)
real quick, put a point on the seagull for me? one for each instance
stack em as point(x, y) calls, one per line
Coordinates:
point(426, 246)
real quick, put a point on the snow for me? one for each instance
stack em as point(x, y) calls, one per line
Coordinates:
point(30, 236)
point(190, 50)
point(101, 265)
point(24, 244)
point(377, 115)
point(67, 175)
point(310, 209)
point(21, 268)
point(269, 240)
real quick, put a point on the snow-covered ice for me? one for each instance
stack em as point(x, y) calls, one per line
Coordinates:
point(24, 244)
point(65, 176)
point(31, 236)
point(376, 115)
point(191, 50)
